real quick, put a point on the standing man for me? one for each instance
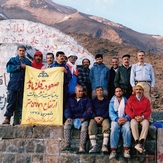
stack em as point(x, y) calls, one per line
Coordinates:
point(77, 108)
point(83, 77)
point(16, 67)
point(49, 60)
point(37, 60)
point(67, 74)
point(113, 70)
point(119, 124)
point(74, 71)
point(142, 72)
point(139, 110)
point(122, 77)
point(100, 117)
point(99, 76)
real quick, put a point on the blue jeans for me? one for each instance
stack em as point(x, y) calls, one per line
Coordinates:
point(116, 129)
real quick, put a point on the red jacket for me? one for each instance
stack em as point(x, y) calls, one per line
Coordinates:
point(134, 107)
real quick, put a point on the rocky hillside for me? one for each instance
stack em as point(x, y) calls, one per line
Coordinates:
point(69, 20)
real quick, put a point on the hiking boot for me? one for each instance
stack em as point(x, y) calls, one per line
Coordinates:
point(104, 149)
point(81, 149)
point(126, 153)
point(113, 154)
point(94, 149)
point(6, 121)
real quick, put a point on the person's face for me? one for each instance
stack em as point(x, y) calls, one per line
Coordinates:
point(49, 59)
point(118, 92)
point(85, 63)
point(115, 63)
point(60, 58)
point(38, 58)
point(126, 61)
point(99, 60)
point(138, 91)
point(141, 57)
point(72, 59)
point(99, 92)
point(21, 52)
point(79, 92)
point(65, 60)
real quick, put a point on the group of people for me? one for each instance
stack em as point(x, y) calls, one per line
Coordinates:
point(118, 99)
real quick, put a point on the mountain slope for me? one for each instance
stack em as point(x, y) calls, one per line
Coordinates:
point(69, 21)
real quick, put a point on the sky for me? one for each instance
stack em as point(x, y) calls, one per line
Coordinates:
point(144, 16)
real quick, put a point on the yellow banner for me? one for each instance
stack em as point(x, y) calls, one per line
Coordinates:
point(43, 96)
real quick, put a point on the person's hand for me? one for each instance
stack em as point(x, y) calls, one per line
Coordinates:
point(64, 70)
point(101, 119)
point(82, 119)
point(23, 66)
point(139, 118)
point(68, 120)
point(97, 119)
point(133, 89)
point(122, 121)
point(152, 90)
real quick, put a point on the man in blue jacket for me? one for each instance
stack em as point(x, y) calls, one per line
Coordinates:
point(67, 74)
point(16, 67)
point(100, 117)
point(119, 124)
point(78, 109)
point(99, 75)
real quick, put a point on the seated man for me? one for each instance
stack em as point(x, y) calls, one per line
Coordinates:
point(119, 124)
point(77, 108)
point(100, 117)
point(139, 110)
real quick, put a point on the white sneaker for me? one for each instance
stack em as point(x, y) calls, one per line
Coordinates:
point(113, 154)
point(126, 153)
point(94, 149)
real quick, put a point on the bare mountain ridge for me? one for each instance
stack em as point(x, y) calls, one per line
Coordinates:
point(69, 21)
point(97, 35)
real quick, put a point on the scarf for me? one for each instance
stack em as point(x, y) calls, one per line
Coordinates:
point(73, 68)
point(119, 106)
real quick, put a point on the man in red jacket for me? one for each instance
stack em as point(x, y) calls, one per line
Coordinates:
point(37, 60)
point(139, 109)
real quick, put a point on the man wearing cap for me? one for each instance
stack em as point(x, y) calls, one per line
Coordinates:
point(138, 108)
point(99, 75)
point(37, 60)
point(74, 71)
point(122, 77)
point(142, 72)
point(49, 60)
point(78, 107)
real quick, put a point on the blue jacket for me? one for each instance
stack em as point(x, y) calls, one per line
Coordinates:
point(17, 74)
point(114, 114)
point(78, 109)
point(100, 108)
point(99, 76)
point(67, 76)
